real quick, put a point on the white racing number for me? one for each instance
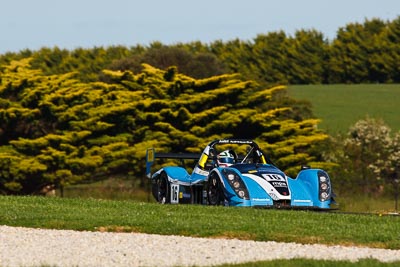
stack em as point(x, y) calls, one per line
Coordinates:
point(273, 177)
point(174, 193)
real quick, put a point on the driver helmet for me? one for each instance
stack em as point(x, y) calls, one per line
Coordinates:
point(225, 158)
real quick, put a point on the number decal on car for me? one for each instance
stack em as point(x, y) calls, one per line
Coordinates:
point(174, 193)
point(271, 177)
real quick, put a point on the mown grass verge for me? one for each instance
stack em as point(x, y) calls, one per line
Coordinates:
point(314, 263)
point(201, 221)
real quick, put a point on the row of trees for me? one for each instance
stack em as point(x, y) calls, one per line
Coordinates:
point(366, 52)
point(56, 129)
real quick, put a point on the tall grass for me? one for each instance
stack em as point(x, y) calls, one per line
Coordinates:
point(340, 106)
point(365, 203)
point(116, 188)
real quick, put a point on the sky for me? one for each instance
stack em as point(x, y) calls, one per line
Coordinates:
point(71, 24)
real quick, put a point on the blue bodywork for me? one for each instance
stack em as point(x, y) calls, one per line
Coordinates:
point(252, 181)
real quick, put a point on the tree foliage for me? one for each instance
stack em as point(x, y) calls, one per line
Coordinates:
point(56, 129)
point(195, 64)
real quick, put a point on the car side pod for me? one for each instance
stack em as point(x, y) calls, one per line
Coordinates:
point(312, 188)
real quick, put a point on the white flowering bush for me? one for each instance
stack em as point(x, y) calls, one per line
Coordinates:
point(371, 156)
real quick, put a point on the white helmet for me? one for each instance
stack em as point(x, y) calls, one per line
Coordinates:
point(225, 158)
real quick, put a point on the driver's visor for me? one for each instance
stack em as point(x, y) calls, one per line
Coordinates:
point(225, 160)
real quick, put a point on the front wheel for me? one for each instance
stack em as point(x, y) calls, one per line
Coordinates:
point(163, 189)
point(215, 196)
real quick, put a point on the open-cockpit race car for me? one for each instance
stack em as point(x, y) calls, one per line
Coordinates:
point(237, 176)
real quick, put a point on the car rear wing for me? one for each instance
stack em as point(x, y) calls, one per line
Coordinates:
point(151, 155)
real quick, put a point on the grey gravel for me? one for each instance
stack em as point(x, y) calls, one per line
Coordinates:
point(37, 247)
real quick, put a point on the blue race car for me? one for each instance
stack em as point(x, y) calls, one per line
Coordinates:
point(221, 177)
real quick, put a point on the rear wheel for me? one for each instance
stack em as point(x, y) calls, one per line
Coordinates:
point(163, 189)
point(215, 196)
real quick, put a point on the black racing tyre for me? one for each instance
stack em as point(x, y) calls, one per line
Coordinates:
point(163, 188)
point(215, 195)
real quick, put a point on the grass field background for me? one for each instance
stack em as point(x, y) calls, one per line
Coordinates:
point(341, 106)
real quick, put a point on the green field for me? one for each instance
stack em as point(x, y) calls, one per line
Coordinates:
point(340, 106)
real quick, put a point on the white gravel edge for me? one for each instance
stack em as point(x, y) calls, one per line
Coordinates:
point(37, 247)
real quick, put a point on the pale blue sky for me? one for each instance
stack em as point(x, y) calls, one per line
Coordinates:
point(71, 24)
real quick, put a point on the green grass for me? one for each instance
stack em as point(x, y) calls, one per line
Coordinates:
point(341, 106)
point(201, 221)
point(314, 263)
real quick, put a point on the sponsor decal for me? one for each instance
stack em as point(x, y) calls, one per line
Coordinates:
point(186, 195)
point(302, 200)
point(150, 155)
point(261, 199)
point(273, 196)
point(231, 141)
point(201, 172)
point(279, 184)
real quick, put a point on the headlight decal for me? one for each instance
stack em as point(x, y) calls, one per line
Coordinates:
point(324, 186)
point(236, 182)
